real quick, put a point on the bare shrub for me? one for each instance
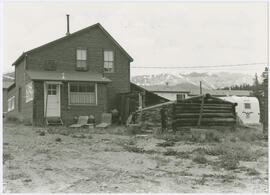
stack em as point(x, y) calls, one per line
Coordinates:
point(13, 119)
point(199, 150)
point(185, 173)
point(216, 150)
point(184, 155)
point(6, 157)
point(201, 181)
point(58, 139)
point(213, 136)
point(15, 176)
point(134, 149)
point(171, 137)
point(226, 178)
point(42, 151)
point(42, 133)
point(252, 172)
point(229, 162)
point(82, 136)
point(170, 152)
point(166, 144)
point(249, 135)
point(240, 150)
point(161, 161)
point(200, 158)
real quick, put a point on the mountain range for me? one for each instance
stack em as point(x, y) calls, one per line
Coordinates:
point(209, 81)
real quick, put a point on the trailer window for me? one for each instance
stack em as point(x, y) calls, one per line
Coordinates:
point(247, 105)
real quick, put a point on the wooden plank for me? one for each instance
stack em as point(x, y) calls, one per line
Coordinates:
point(217, 111)
point(205, 103)
point(206, 115)
point(178, 111)
point(156, 106)
point(194, 124)
point(205, 106)
point(205, 119)
point(201, 112)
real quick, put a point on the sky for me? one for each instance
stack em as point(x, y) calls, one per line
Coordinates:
point(155, 34)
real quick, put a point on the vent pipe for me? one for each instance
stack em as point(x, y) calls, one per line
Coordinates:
point(68, 33)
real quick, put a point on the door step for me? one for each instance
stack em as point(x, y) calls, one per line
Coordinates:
point(54, 121)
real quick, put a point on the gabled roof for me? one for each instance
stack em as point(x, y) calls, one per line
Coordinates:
point(67, 76)
point(144, 89)
point(72, 35)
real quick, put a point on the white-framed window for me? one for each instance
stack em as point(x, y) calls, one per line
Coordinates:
point(82, 93)
point(11, 103)
point(81, 56)
point(29, 92)
point(108, 61)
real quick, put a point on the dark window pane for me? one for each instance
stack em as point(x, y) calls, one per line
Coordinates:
point(82, 88)
point(90, 88)
point(73, 88)
point(247, 106)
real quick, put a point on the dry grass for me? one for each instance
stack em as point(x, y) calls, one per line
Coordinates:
point(170, 152)
point(6, 157)
point(166, 144)
point(252, 172)
point(200, 159)
point(226, 178)
point(229, 162)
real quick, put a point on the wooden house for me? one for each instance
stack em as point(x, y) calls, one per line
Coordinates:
point(81, 73)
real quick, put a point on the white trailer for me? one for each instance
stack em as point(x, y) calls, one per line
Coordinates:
point(247, 109)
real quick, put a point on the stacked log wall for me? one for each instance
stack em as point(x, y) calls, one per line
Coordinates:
point(210, 113)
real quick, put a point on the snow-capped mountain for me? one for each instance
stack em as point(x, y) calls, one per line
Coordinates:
point(209, 81)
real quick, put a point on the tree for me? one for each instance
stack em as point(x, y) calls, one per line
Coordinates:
point(256, 87)
point(265, 73)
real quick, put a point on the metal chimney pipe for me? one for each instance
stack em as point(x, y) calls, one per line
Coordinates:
point(68, 33)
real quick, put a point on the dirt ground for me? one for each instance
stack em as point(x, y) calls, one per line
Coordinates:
point(94, 161)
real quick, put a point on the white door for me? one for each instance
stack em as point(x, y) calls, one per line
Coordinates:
point(53, 101)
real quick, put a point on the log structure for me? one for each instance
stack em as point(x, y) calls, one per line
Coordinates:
point(204, 110)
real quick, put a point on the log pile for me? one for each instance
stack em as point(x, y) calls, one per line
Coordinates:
point(151, 119)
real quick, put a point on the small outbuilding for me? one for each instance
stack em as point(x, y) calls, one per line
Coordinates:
point(204, 110)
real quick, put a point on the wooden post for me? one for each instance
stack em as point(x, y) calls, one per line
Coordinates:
point(201, 111)
point(46, 106)
point(173, 118)
point(265, 109)
point(201, 87)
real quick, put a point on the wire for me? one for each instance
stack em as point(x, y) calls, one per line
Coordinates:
point(213, 66)
point(162, 67)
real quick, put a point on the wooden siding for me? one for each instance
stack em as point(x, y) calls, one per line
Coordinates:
point(64, 55)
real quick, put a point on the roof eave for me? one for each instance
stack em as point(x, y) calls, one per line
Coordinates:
point(21, 57)
point(70, 80)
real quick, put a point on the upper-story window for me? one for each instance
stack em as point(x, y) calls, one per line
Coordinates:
point(81, 63)
point(247, 105)
point(108, 61)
